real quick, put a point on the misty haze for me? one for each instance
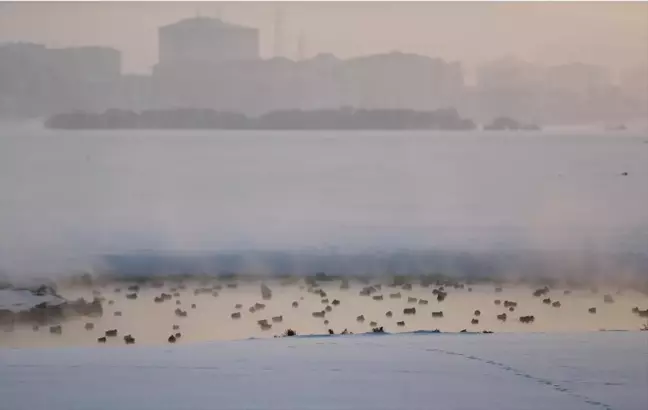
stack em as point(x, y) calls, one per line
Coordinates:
point(468, 179)
point(541, 63)
point(72, 197)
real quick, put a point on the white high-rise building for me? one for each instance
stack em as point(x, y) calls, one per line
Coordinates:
point(204, 39)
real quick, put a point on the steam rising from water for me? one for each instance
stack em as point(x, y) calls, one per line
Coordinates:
point(68, 199)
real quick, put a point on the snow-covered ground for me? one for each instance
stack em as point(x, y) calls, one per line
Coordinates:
point(605, 370)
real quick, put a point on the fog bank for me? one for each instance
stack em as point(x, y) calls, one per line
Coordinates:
point(70, 199)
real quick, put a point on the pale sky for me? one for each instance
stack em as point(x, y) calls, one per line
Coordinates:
point(612, 33)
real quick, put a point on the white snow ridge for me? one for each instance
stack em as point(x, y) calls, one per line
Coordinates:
point(588, 371)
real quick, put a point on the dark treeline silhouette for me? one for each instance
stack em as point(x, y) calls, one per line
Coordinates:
point(339, 119)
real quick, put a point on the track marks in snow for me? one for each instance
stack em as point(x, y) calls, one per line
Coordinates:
point(519, 373)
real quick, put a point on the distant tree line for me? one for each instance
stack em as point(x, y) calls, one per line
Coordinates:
point(334, 119)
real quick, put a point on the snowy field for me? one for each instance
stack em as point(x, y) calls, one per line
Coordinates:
point(604, 370)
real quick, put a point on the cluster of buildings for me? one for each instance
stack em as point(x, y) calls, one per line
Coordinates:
point(36, 80)
point(566, 93)
point(208, 63)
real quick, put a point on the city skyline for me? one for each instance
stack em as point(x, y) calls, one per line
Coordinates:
point(218, 63)
point(613, 35)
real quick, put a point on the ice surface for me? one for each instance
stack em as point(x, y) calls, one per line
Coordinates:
point(606, 370)
point(17, 300)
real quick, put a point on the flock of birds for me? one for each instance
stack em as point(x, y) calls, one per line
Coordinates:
point(440, 292)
